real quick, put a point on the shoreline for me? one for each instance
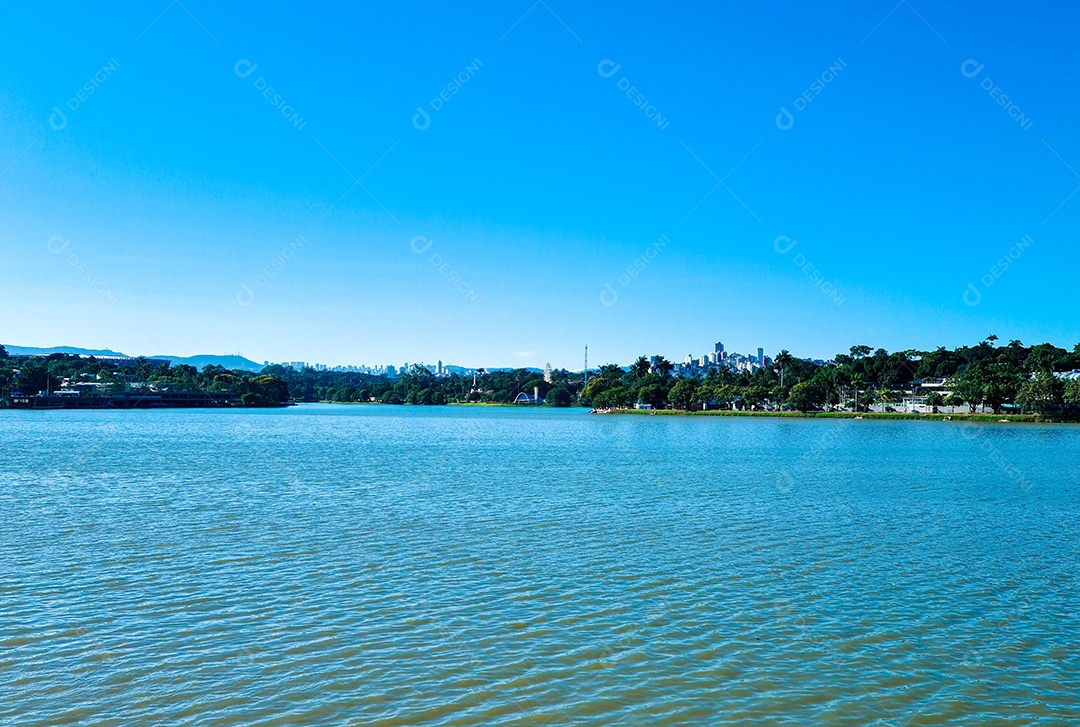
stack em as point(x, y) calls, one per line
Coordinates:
point(981, 418)
point(896, 416)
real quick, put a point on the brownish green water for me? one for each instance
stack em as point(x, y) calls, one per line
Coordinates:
point(479, 566)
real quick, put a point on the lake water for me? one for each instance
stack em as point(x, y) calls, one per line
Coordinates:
point(377, 565)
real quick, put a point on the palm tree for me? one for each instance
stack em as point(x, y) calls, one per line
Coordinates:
point(610, 371)
point(783, 360)
point(856, 381)
point(934, 399)
point(663, 366)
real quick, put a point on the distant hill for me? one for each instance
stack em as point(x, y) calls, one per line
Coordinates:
point(31, 351)
point(461, 370)
point(229, 362)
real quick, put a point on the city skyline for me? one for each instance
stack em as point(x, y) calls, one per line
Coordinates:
point(536, 178)
point(439, 367)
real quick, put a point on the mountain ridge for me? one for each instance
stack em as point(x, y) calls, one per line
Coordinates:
point(229, 361)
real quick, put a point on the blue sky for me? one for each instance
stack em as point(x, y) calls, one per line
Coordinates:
point(149, 217)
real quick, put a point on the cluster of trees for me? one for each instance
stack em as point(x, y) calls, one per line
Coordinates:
point(1016, 376)
point(656, 386)
point(420, 386)
point(999, 377)
point(45, 373)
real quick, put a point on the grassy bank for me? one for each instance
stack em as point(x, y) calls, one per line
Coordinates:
point(988, 418)
point(489, 403)
point(380, 403)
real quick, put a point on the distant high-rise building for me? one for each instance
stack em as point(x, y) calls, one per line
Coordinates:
point(547, 373)
point(761, 356)
point(689, 360)
point(718, 347)
point(438, 368)
point(712, 358)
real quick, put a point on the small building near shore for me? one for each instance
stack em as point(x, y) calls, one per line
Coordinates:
point(917, 405)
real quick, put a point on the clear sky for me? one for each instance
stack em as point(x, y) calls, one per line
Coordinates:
point(627, 176)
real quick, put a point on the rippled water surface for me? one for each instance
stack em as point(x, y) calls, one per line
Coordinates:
point(378, 565)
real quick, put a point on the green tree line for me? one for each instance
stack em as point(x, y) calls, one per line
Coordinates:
point(420, 386)
point(1005, 377)
point(1001, 377)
